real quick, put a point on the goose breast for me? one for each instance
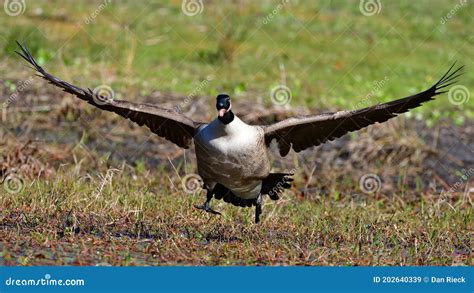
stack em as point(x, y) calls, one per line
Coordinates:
point(234, 155)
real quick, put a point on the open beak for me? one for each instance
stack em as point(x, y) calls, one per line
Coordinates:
point(222, 112)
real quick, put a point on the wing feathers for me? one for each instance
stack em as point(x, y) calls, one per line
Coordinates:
point(303, 132)
point(166, 123)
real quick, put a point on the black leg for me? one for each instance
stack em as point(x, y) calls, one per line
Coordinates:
point(258, 208)
point(206, 206)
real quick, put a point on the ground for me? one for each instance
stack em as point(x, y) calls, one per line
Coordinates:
point(82, 187)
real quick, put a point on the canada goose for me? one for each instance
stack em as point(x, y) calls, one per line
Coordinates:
point(232, 156)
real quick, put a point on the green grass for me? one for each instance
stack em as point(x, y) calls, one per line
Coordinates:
point(329, 54)
point(133, 222)
point(93, 210)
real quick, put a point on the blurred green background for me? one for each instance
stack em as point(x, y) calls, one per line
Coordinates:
point(331, 54)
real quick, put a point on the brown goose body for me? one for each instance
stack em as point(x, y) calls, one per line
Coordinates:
point(232, 155)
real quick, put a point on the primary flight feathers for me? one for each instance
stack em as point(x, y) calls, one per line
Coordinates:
point(298, 133)
point(303, 132)
point(169, 124)
point(232, 156)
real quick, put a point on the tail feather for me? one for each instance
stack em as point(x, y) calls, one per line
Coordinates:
point(275, 183)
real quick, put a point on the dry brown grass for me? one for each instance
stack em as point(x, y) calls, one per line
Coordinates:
point(71, 220)
point(82, 205)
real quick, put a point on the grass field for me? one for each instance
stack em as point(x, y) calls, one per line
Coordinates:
point(83, 187)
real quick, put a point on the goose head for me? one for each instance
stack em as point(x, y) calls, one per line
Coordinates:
point(223, 106)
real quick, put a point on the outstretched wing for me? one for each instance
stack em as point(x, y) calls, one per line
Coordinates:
point(169, 124)
point(303, 132)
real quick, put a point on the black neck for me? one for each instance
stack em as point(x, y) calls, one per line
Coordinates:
point(227, 118)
